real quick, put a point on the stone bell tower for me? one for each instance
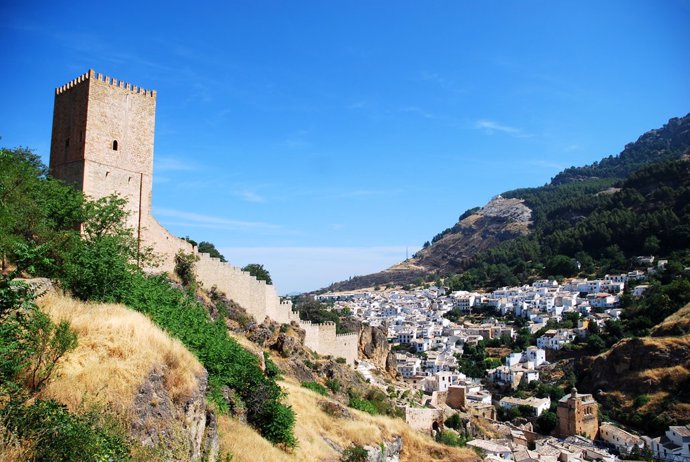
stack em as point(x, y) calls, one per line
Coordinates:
point(102, 141)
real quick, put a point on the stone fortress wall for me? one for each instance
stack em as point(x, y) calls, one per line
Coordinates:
point(102, 143)
point(323, 339)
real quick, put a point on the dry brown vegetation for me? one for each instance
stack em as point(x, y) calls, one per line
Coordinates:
point(314, 426)
point(13, 449)
point(117, 348)
point(676, 324)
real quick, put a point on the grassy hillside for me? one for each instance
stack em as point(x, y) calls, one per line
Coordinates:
point(316, 427)
point(117, 349)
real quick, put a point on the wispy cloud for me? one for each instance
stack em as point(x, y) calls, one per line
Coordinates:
point(491, 126)
point(172, 164)
point(209, 221)
point(250, 196)
point(442, 82)
point(359, 105)
point(419, 111)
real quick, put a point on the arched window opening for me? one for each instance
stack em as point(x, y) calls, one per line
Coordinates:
point(106, 174)
point(114, 145)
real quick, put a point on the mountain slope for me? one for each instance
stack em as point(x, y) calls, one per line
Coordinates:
point(644, 381)
point(520, 226)
point(478, 230)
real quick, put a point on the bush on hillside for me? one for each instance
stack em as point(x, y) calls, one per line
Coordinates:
point(315, 387)
point(30, 347)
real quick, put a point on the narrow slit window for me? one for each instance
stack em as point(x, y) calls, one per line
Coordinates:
point(106, 174)
point(114, 145)
point(67, 142)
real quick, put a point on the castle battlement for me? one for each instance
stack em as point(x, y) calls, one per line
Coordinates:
point(91, 74)
point(349, 334)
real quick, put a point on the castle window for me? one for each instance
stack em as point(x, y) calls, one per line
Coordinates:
point(129, 180)
point(114, 145)
point(106, 174)
point(67, 143)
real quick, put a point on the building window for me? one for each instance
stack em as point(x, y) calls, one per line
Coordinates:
point(67, 143)
point(106, 174)
point(114, 145)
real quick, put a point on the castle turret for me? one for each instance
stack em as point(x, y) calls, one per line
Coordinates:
point(102, 140)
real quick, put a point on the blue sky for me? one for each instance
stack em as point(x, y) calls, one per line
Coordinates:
point(323, 138)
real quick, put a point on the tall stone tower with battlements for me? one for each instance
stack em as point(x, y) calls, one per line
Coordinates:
point(103, 140)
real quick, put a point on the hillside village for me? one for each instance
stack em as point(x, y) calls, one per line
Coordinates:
point(428, 347)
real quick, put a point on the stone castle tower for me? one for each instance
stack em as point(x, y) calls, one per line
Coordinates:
point(578, 414)
point(103, 141)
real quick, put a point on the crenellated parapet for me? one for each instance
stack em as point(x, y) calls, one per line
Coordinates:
point(348, 335)
point(92, 75)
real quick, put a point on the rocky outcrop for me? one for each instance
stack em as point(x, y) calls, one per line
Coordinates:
point(388, 451)
point(184, 430)
point(374, 348)
point(645, 381)
point(638, 366)
point(499, 220)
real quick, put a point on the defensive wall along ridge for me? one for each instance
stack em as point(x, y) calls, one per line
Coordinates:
point(102, 143)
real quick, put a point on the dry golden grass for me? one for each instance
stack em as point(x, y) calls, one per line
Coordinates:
point(13, 449)
point(676, 324)
point(674, 374)
point(117, 350)
point(313, 425)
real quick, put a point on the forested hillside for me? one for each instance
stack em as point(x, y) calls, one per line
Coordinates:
point(587, 220)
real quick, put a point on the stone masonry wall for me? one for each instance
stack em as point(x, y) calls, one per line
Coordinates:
point(102, 142)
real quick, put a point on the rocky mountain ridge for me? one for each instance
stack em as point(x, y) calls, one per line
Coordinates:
point(499, 220)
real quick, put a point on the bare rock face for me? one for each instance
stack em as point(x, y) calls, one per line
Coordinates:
point(374, 347)
point(185, 430)
point(388, 451)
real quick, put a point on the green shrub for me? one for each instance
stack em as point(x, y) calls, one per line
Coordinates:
point(272, 370)
point(450, 438)
point(547, 422)
point(57, 434)
point(333, 385)
point(641, 401)
point(184, 268)
point(364, 405)
point(355, 453)
point(454, 422)
point(340, 360)
point(227, 363)
point(316, 387)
